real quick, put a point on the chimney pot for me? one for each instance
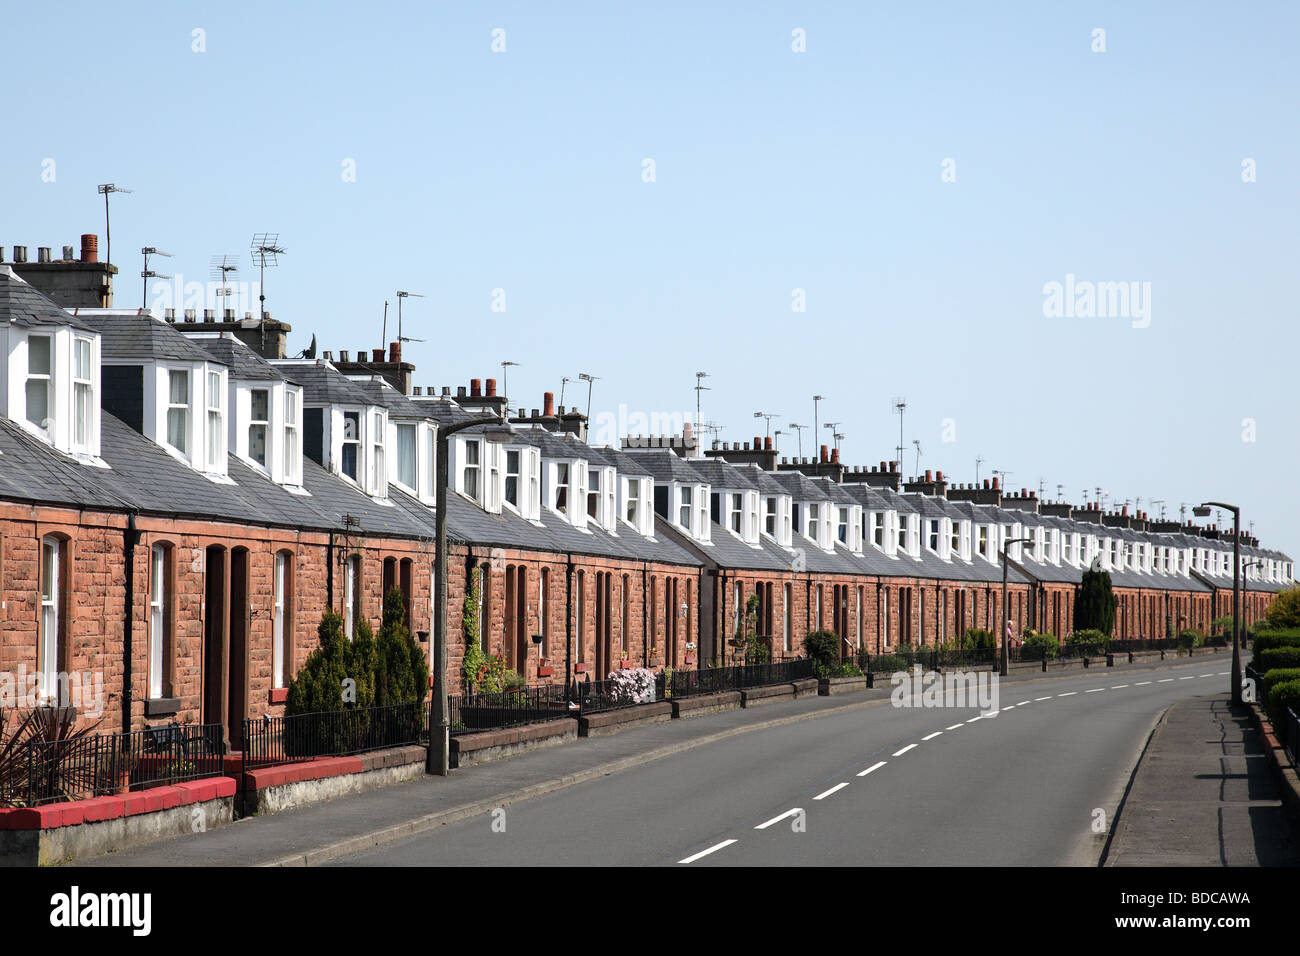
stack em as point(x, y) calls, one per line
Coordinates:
point(491, 388)
point(394, 352)
point(20, 254)
point(417, 390)
point(42, 253)
point(535, 413)
point(475, 388)
point(68, 255)
point(376, 355)
point(1125, 511)
point(548, 404)
point(169, 315)
point(767, 443)
point(89, 247)
point(995, 482)
point(189, 315)
point(825, 453)
point(209, 315)
point(460, 391)
point(835, 456)
point(344, 355)
point(329, 355)
point(882, 466)
point(446, 390)
point(929, 475)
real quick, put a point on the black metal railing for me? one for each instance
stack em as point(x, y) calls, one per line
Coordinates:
point(490, 710)
point(333, 733)
point(596, 696)
point(97, 765)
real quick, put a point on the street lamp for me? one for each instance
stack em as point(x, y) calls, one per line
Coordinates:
point(439, 756)
point(1006, 548)
point(1203, 511)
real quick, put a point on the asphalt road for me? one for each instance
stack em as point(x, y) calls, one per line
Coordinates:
point(880, 786)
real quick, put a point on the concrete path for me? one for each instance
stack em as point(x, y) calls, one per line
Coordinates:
point(1203, 795)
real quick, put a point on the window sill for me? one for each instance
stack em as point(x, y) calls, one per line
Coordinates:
point(162, 706)
point(279, 695)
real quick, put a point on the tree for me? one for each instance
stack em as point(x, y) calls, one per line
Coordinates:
point(401, 672)
point(1094, 608)
point(338, 672)
point(1285, 609)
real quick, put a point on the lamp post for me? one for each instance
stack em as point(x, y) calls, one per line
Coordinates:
point(1006, 549)
point(1203, 511)
point(439, 756)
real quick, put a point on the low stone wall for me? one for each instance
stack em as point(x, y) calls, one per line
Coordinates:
point(285, 786)
point(753, 696)
point(60, 832)
point(706, 704)
point(488, 745)
point(841, 685)
point(612, 721)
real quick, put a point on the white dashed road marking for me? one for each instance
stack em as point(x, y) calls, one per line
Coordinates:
point(904, 750)
point(1143, 683)
point(937, 733)
point(874, 766)
point(1070, 694)
point(1095, 690)
point(827, 793)
point(703, 853)
point(763, 826)
point(1037, 699)
point(955, 727)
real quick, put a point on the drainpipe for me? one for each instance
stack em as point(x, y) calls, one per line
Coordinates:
point(645, 610)
point(130, 537)
point(329, 574)
point(568, 621)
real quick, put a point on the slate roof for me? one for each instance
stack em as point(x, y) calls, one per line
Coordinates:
point(22, 305)
point(323, 384)
point(721, 475)
point(399, 406)
point(140, 337)
point(244, 364)
point(664, 465)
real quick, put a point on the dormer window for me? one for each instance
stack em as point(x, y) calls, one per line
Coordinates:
point(259, 418)
point(983, 538)
point(178, 410)
point(562, 487)
point(470, 472)
point(735, 514)
point(351, 444)
point(810, 526)
point(593, 494)
point(686, 506)
point(291, 454)
point(83, 394)
point(842, 526)
point(377, 473)
point(512, 478)
point(633, 513)
point(956, 538)
point(769, 515)
point(216, 431)
point(39, 380)
point(407, 467)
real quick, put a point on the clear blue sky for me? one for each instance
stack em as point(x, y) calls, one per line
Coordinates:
point(775, 170)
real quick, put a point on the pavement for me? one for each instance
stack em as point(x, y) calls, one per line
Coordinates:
point(1203, 795)
point(952, 788)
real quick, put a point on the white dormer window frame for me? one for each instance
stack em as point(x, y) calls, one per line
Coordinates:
point(471, 469)
point(259, 427)
point(178, 418)
point(83, 394)
point(378, 477)
point(292, 470)
point(215, 392)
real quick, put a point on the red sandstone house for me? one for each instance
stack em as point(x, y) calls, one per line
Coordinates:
point(180, 502)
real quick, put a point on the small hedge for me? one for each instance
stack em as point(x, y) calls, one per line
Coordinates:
point(1276, 657)
point(1039, 646)
point(1283, 696)
point(1266, 639)
point(823, 647)
point(1270, 679)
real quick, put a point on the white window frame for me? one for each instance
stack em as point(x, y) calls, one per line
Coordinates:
point(216, 422)
point(46, 377)
point(83, 394)
point(278, 619)
point(182, 409)
point(157, 618)
point(51, 592)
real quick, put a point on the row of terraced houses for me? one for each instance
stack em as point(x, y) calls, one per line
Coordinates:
point(180, 502)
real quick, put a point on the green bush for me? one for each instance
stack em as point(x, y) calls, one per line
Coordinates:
point(1281, 697)
point(1190, 638)
point(823, 647)
point(1042, 645)
point(1089, 636)
point(401, 670)
point(836, 669)
point(1284, 610)
point(1094, 608)
point(1276, 657)
point(364, 672)
point(977, 638)
point(1222, 626)
point(1269, 679)
point(1266, 639)
point(320, 684)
